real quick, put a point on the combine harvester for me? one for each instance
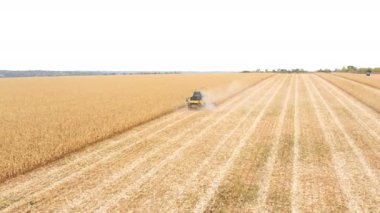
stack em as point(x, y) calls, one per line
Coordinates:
point(196, 101)
point(368, 73)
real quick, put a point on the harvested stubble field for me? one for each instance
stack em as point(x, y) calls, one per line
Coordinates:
point(373, 80)
point(291, 142)
point(359, 89)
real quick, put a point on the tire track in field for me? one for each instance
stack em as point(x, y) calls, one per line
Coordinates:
point(279, 191)
point(203, 202)
point(352, 201)
point(125, 171)
point(177, 194)
point(357, 151)
point(296, 151)
point(126, 192)
point(371, 120)
point(54, 184)
point(270, 163)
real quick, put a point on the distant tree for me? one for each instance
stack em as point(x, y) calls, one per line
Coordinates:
point(351, 68)
point(324, 70)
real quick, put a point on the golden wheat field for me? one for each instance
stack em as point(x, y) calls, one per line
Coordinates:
point(42, 119)
point(276, 143)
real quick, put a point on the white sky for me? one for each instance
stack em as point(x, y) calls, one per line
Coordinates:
point(196, 35)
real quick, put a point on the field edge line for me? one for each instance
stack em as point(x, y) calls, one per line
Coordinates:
point(296, 139)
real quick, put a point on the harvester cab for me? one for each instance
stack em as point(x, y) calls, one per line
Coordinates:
point(195, 101)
